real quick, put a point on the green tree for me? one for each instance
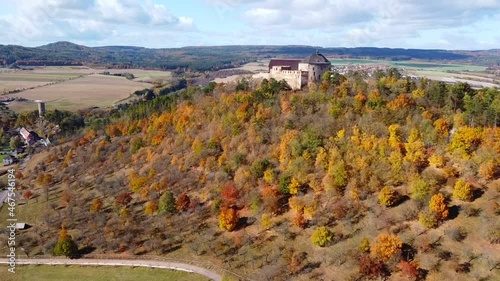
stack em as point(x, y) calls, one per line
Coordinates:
point(15, 142)
point(167, 203)
point(65, 245)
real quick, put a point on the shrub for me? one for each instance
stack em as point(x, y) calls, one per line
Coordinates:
point(364, 245)
point(457, 233)
point(462, 190)
point(386, 246)
point(388, 197)
point(322, 236)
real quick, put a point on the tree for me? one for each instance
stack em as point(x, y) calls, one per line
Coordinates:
point(487, 170)
point(322, 236)
point(371, 268)
point(122, 199)
point(151, 207)
point(167, 203)
point(27, 194)
point(183, 202)
point(15, 142)
point(409, 269)
point(428, 219)
point(465, 140)
point(437, 204)
point(462, 190)
point(96, 205)
point(386, 246)
point(65, 245)
point(388, 197)
point(228, 219)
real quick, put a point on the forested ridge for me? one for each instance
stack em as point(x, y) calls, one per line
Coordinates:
point(211, 58)
point(355, 177)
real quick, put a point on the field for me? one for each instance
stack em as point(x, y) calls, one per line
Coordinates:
point(63, 273)
point(92, 90)
point(19, 80)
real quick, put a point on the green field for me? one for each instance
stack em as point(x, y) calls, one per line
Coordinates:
point(409, 64)
point(438, 67)
point(87, 273)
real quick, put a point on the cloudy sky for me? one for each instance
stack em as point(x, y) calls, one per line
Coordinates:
point(444, 24)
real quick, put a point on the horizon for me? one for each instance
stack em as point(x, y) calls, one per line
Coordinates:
point(250, 45)
point(205, 23)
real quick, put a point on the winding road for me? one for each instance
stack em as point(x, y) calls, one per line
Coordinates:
point(131, 263)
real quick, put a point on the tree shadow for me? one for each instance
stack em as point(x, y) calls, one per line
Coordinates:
point(401, 200)
point(421, 274)
point(84, 251)
point(476, 194)
point(171, 249)
point(453, 212)
point(244, 222)
point(408, 252)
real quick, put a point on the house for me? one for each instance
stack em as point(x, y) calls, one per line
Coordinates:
point(9, 160)
point(30, 138)
point(299, 73)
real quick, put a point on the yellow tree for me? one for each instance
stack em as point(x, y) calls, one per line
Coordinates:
point(462, 190)
point(228, 218)
point(437, 204)
point(386, 246)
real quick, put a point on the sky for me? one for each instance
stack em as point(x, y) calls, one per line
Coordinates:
point(424, 24)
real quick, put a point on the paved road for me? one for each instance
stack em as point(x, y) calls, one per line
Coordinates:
point(132, 263)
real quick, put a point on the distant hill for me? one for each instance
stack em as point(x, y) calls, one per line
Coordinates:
point(217, 57)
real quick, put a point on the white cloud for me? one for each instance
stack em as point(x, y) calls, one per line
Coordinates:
point(52, 20)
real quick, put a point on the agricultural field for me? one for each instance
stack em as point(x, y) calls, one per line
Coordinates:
point(92, 90)
point(12, 80)
point(63, 273)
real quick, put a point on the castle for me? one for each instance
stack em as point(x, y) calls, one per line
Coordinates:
point(299, 73)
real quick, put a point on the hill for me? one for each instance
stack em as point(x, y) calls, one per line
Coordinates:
point(216, 57)
point(358, 179)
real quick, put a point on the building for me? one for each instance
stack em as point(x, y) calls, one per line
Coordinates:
point(9, 160)
point(299, 73)
point(30, 138)
point(41, 108)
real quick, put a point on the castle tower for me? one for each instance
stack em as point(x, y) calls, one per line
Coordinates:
point(317, 65)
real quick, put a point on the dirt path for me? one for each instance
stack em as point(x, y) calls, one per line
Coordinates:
point(131, 263)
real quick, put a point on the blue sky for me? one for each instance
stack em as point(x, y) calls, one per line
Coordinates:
point(428, 24)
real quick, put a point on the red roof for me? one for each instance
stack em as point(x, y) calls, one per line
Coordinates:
point(25, 133)
point(293, 64)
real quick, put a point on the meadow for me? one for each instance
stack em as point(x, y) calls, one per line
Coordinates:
point(63, 273)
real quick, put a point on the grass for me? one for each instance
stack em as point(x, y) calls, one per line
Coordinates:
point(87, 273)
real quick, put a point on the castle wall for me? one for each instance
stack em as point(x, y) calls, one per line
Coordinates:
point(294, 78)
